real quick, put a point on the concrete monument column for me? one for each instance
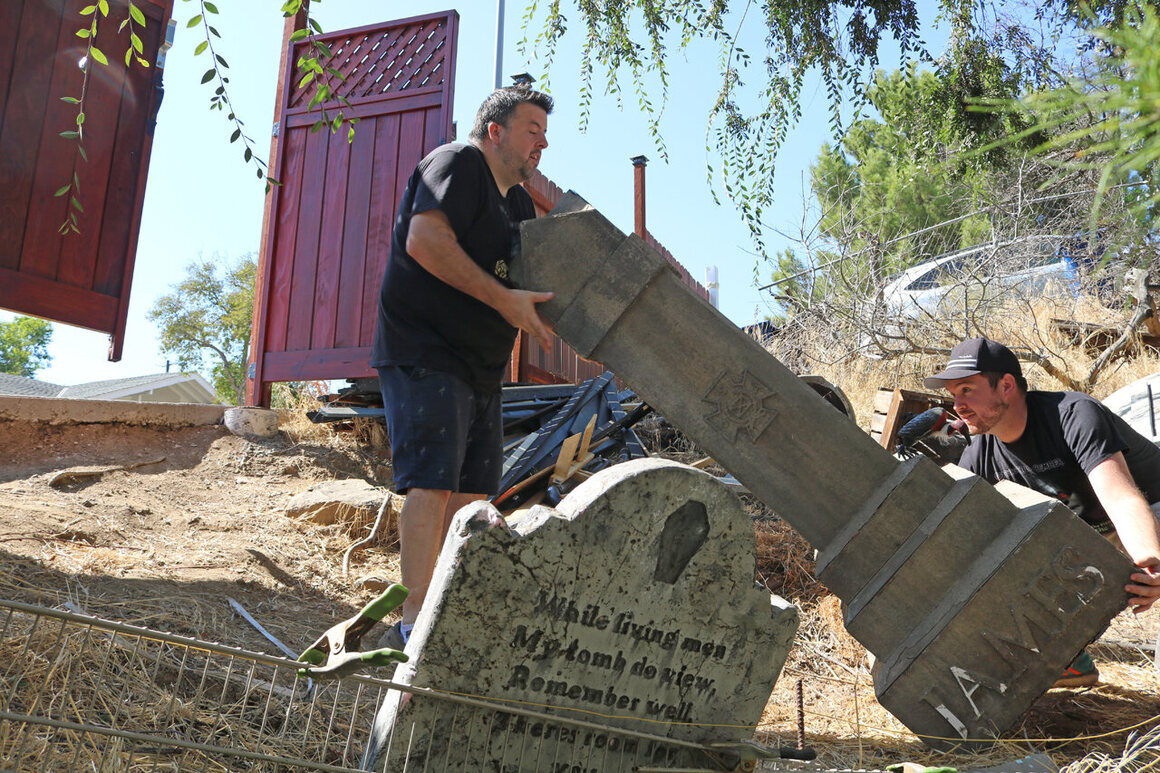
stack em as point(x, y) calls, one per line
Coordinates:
point(973, 602)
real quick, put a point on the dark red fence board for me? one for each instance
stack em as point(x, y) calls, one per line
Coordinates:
point(77, 264)
point(78, 279)
point(352, 269)
point(302, 302)
point(40, 251)
point(336, 208)
point(14, 10)
point(285, 237)
point(41, 298)
point(324, 334)
point(23, 120)
point(380, 221)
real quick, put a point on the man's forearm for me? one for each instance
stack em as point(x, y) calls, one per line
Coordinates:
point(1136, 525)
point(432, 243)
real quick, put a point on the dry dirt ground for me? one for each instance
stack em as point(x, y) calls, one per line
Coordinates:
point(194, 517)
point(161, 527)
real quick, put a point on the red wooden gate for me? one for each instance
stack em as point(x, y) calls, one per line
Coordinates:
point(81, 279)
point(330, 228)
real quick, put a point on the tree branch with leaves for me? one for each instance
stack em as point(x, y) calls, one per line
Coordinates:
point(205, 322)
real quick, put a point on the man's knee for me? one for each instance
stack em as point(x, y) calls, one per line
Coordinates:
point(424, 503)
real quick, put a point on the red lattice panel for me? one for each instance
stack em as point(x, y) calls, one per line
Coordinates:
point(376, 62)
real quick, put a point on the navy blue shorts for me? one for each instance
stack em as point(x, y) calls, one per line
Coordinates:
point(444, 435)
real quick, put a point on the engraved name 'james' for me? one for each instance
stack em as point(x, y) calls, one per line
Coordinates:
point(1036, 615)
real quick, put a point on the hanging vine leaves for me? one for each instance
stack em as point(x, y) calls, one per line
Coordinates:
point(135, 22)
point(747, 125)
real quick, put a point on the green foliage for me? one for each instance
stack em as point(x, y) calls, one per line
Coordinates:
point(632, 40)
point(216, 74)
point(205, 322)
point(912, 167)
point(1108, 124)
point(310, 69)
point(94, 14)
point(24, 346)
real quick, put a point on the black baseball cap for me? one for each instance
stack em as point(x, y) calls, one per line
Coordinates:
point(974, 356)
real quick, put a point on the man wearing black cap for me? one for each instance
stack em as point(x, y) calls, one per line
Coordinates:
point(1066, 445)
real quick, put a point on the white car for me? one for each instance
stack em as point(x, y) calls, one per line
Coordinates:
point(1032, 267)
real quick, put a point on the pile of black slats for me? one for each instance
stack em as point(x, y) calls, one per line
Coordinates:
point(537, 420)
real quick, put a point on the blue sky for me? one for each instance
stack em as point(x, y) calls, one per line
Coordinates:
point(202, 200)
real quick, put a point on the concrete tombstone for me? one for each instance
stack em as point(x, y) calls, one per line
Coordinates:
point(632, 606)
point(972, 601)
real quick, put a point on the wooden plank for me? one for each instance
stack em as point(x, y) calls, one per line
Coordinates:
point(285, 241)
point(433, 135)
point(330, 246)
point(903, 402)
point(349, 316)
point(383, 203)
point(9, 34)
point(395, 102)
point(890, 424)
point(57, 156)
point(108, 204)
point(409, 21)
point(20, 133)
point(882, 399)
point(452, 53)
point(411, 146)
point(45, 298)
point(141, 81)
point(308, 223)
point(258, 391)
point(153, 36)
point(308, 365)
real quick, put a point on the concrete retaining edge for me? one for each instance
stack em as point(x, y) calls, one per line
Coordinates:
point(57, 411)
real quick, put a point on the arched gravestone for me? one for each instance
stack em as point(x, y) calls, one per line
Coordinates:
point(972, 603)
point(632, 605)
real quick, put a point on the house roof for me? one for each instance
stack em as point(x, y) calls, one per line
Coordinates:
point(11, 384)
point(185, 388)
point(121, 388)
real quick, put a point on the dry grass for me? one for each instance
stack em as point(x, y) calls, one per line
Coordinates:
point(96, 678)
point(1020, 326)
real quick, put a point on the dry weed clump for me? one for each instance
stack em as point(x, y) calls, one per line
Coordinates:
point(1026, 326)
point(214, 703)
point(1140, 752)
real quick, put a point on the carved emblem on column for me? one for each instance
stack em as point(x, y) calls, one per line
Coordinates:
point(740, 405)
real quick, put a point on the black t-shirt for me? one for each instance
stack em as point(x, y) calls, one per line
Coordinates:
point(426, 322)
point(1067, 435)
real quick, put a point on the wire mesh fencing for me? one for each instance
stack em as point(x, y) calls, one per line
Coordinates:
point(79, 693)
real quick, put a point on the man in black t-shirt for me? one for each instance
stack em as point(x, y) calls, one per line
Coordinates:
point(448, 316)
point(1063, 444)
